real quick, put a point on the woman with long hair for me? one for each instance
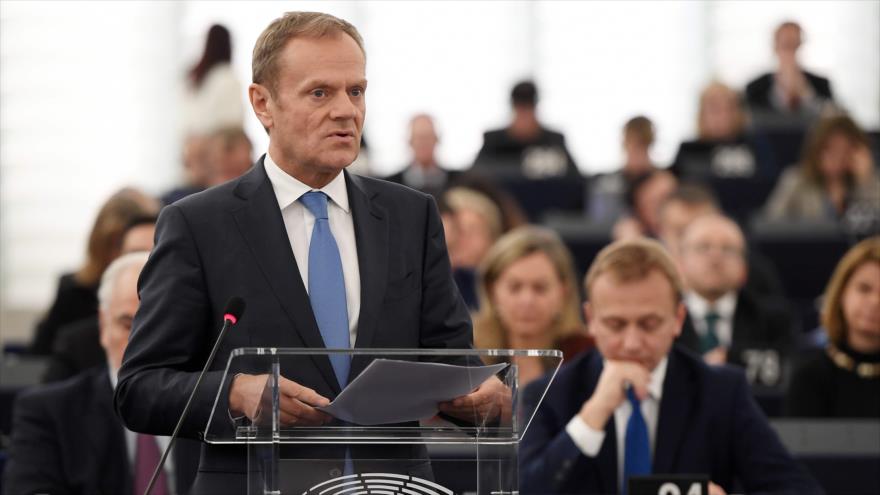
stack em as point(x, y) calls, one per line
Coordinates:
point(529, 298)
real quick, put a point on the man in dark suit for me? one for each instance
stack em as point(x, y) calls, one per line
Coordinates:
point(727, 324)
point(323, 258)
point(423, 173)
point(637, 405)
point(525, 145)
point(66, 438)
point(790, 89)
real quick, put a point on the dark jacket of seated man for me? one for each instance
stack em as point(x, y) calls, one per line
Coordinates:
point(66, 439)
point(707, 423)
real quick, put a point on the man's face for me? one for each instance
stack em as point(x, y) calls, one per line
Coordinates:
point(230, 161)
point(787, 42)
point(316, 115)
point(636, 320)
point(115, 320)
point(712, 257)
point(675, 216)
point(139, 238)
point(423, 140)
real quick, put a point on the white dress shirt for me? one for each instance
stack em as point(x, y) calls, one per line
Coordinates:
point(725, 307)
point(298, 222)
point(589, 441)
point(131, 445)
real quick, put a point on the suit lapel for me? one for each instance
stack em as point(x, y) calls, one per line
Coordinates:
point(106, 438)
point(676, 408)
point(607, 458)
point(262, 228)
point(371, 234)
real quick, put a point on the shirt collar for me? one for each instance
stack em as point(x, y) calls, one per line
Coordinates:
point(288, 189)
point(698, 307)
point(658, 376)
point(114, 375)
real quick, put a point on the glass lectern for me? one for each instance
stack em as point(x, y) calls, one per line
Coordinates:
point(384, 432)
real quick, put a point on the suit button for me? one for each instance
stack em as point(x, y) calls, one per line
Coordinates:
point(335, 473)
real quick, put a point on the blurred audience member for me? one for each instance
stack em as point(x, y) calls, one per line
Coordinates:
point(214, 96)
point(66, 437)
point(229, 155)
point(477, 223)
point(691, 201)
point(725, 323)
point(645, 196)
point(843, 379)
point(688, 202)
point(835, 181)
point(196, 168)
point(139, 234)
point(607, 192)
point(76, 297)
point(512, 213)
point(77, 345)
point(213, 101)
point(529, 299)
point(639, 404)
point(525, 143)
point(721, 148)
point(790, 89)
point(423, 172)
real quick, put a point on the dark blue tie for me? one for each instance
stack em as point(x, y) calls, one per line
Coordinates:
point(710, 340)
point(327, 285)
point(637, 446)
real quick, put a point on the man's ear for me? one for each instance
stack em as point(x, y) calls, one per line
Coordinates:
point(588, 313)
point(680, 315)
point(261, 99)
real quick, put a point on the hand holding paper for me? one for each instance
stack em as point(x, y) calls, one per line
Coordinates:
point(391, 391)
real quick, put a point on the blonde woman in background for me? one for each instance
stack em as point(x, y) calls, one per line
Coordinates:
point(843, 380)
point(529, 299)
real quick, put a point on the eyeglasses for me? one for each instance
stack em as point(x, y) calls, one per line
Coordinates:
point(726, 250)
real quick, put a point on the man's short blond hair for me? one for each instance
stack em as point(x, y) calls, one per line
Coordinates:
point(632, 260)
point(291, 25)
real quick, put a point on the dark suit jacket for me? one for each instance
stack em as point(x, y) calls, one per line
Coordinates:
point(501, 151)
point(67, 440)
point(77, 348)
point(450, 177)
point(231, 241)
point(72, 303)
point(708, 423)
point(759, 90)
point(758, 325)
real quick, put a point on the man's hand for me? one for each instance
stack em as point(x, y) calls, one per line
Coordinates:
point(297, 403)
point(862, 165)
point(611, 391)
point(792, 83)
point(484, 404)
point(715, 489)
point(716, 356)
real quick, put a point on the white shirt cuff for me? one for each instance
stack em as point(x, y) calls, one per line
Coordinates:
point(588, 440)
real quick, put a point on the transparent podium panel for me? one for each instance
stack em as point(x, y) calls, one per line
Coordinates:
point(416, 422)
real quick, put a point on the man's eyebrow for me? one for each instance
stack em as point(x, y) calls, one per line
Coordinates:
point(323, 83)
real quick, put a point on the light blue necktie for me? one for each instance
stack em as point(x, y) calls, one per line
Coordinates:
point(637, 446)
point(327, 285)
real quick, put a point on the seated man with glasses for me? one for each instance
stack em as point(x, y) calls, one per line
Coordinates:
point(727, 324)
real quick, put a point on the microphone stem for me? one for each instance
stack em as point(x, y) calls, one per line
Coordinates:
point(226, 325)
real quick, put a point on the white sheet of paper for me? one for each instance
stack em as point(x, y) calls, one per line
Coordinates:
point(392, 391)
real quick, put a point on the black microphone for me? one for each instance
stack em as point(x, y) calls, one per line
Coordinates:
point(234, 309)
